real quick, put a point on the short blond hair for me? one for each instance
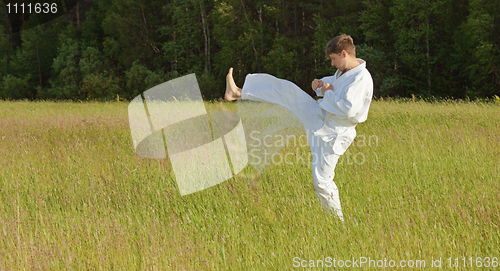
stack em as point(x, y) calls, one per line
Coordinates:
point(339, 43)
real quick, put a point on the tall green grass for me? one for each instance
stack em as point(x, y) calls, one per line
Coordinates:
point(421, 181)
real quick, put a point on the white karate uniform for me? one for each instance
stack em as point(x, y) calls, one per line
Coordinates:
point(329, 122)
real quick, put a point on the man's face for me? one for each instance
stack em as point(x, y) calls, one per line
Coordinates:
point(339, 60)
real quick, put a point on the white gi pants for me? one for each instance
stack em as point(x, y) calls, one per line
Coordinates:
point(267, 88)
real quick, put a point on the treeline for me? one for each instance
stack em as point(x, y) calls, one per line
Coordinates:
point(105, 48)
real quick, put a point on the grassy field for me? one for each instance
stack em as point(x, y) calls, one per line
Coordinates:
point(421, 182)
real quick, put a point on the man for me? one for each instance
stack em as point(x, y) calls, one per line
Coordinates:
point(329, 122)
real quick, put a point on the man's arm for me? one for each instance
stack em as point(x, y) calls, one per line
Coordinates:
point(315, 85)
point(349, 101)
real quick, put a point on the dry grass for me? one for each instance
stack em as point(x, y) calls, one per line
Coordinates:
point(73, 194)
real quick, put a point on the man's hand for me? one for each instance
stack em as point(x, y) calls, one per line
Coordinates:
point(326, 87)
point(316, 83)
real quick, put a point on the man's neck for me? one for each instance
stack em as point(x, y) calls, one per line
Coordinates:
point(351, 64)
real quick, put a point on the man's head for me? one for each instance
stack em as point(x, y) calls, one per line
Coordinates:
point(339, 43)
point(341, 50)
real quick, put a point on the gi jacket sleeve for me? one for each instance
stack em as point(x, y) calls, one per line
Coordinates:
point(326, 80)
point(348, 99)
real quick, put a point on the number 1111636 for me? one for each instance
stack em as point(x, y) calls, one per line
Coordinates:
point(32, 8)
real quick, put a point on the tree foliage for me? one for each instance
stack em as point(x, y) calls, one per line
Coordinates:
point(106, 48)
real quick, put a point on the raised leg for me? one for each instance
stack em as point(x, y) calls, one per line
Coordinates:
point(267, 88)
point(233, 92)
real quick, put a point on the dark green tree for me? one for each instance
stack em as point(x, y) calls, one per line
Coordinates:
point(131, 32)
point(98, 79)
point(478, 49)
point(66, 79)
point(33, 59)
point(379, 51)
point(6, 51)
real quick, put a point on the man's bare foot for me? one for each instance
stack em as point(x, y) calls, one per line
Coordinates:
point(232, 91)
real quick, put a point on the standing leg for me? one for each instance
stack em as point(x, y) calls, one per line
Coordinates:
point(323, 169)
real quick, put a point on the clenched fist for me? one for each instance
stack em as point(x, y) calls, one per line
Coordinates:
point(326, 87)
point(316, 83)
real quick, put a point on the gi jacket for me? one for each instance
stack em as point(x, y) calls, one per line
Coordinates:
point(345, 106)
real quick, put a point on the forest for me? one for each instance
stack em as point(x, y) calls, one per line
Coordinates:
point(117, 49)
